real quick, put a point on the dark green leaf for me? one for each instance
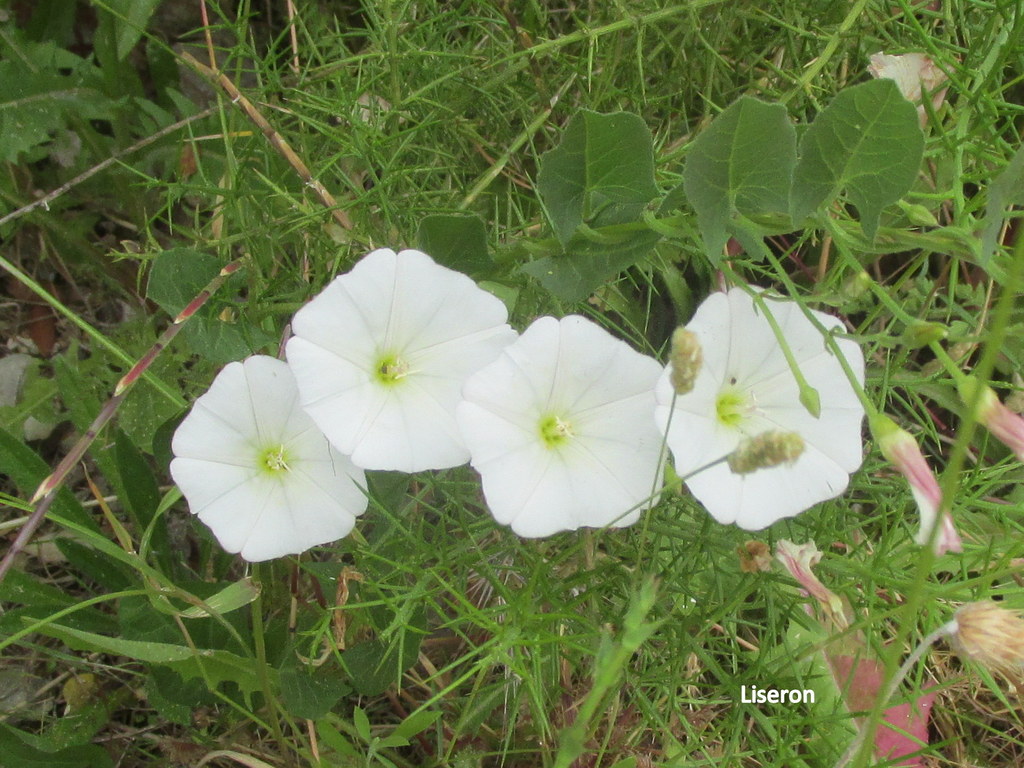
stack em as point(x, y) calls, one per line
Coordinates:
point(174, 698)
point(1007, 189)
point(601, 173)
point(40, 600)
point(740, 164)
point(110, 575)
point(457, 241)
point(309, 695)
point(146, 409)
point(79, 727)
point(177, 276)
point(36, 100)
point(586, 264)
point(218, 666)
point(141, 493)
point(867, 141)
point(142, 496)
point(27, 470)
point(373, 665)
point(130, 19)
point(18, 750)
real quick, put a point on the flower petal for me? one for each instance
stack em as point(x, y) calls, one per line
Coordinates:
point(756, 500)
point(605, 471)
point(440, 324)
point(744, 360)
point(220, 466)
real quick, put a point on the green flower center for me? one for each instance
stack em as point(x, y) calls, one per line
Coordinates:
point(732, 407)
point(390, 369)
point(274, 460)
point(554, 431)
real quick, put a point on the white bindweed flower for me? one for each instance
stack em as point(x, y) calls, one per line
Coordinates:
point(257, 471)
point(746, 387)
point(560, 429)
point(381, 354)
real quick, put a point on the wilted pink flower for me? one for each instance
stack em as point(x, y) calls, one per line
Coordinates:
point(900, 448)
point(911, 71)
point(799, 559)
point(1007, 426)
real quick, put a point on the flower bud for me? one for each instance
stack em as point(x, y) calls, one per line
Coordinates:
point(992, 636)
point(799, 560)
point(685, 359)
point(921, 334)
point(918, 214)
point(1004, 424)
point(856, 286)
point(768, 449)
point(900, 448)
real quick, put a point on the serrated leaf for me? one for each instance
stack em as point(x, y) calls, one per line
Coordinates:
point(867, 141)
point(173, 698)
point(1007, 189)
point(601, 173)
point(37, 101)
point(458, 241)
point(740, 164)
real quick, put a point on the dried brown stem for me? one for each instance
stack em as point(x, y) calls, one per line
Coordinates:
point(47, 491)
point(276, 140)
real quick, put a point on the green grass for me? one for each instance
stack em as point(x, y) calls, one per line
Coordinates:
point(650, 630)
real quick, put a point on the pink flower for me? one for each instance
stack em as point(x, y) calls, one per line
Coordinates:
point(1007, 426)
point(899, 447)
point(799, 560)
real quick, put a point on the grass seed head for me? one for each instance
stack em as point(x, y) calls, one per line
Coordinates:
point(992, 636)
point(686, 358)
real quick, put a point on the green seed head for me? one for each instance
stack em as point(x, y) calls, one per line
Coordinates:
point(768, 449)
point(686, 358)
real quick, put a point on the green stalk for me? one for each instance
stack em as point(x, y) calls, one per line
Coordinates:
point(949, 481)
point(258, 630)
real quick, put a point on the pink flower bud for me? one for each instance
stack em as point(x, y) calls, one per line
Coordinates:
point(1007, 426)
point(799, 560)
point(899, 447)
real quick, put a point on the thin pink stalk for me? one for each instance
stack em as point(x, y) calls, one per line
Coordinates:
point(45, 494)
